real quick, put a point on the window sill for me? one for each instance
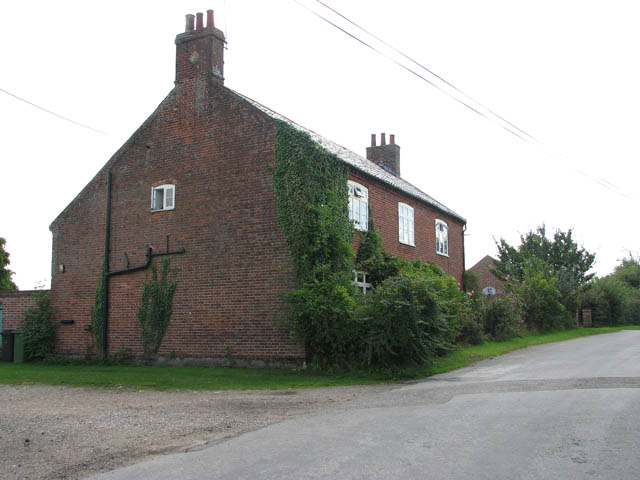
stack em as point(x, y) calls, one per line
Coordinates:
point(407, 244)
point(443, 254)
point(162, 210)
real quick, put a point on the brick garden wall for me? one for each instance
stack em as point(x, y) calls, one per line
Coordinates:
point(14, 303)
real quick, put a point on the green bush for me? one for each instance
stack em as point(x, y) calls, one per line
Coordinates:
point(501, 317)
point(542, 307)
point(608, 299)
point(632, 314)
point(404, 321)
point(470, 320)
point(39, 329)
point(321, 317)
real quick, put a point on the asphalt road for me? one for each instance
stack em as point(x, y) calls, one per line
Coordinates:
point(558, 411)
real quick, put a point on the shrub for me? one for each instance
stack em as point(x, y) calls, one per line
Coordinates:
point(321, 317)
point(542, 309)
point(608, 299)
point(471, 281)
point(501, 317)
point(404, 321)
point(39, 329)
point(632, 315)
point(470, 320)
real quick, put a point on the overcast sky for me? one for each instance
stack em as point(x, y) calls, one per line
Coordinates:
point(565, 72)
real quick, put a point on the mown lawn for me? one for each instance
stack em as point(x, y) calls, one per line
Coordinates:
point(200, 378)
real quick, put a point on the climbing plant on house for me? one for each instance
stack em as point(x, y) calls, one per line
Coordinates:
point(155, 308)
point(410, 317)
point(311, 191)
point(97, 313)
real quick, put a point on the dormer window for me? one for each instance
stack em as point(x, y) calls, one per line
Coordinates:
point(358, 205)
point(163, 197)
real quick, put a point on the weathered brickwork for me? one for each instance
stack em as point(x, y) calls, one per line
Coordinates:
point(218, 150)
point(235, 262)
point(14, 304)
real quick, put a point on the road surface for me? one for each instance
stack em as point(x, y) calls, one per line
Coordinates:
point(564, 410)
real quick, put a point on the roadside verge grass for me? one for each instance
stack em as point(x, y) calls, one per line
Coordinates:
point(200, 378)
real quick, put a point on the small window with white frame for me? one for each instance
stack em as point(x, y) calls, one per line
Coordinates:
point(360, 280)
point(358, 206)
point(442, 238)
point(163, 197)
point(405, 224)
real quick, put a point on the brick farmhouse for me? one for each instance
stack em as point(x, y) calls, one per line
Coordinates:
point(195, 182)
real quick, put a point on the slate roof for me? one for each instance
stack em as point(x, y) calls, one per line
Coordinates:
point(357, 162)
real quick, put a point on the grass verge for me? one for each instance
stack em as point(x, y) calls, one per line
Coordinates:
point(198, 378)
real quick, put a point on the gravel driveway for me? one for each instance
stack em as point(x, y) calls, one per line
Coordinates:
point(59, 432)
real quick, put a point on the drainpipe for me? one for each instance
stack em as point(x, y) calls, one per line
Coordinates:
point(464, 229)
point(105, 279)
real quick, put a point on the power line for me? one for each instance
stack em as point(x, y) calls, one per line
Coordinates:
point(427, 69)
point(504, 123)
point(478, 112)
point(50, 112)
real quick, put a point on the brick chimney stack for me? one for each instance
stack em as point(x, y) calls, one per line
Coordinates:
point(385, 155)
point(200, 50)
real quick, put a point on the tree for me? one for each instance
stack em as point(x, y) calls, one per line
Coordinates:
point(629, 272)
point(5, 274)
point(559, 258)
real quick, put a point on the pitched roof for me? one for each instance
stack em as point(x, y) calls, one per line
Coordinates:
point(357, 162)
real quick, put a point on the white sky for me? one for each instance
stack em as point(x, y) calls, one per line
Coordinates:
point(564, 71)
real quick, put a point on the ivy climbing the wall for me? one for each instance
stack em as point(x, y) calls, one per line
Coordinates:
point(312, 194)
point(411, 313)
point(311, 190)
point(97, 314)
point(155, 309)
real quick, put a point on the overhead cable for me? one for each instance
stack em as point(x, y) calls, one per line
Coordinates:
point(50, 112)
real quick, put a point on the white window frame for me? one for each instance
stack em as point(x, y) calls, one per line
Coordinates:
point(168, 197)
point(442, 238)
point(358, 205)
point(406, 224)
point(360, 281)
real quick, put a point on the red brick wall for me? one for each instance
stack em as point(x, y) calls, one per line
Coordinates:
point(482, 269)
point(14, 303)
point(383, 200)
point(217, 150)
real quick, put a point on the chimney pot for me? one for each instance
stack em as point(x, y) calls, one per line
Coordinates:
point(210, 19)
point(386, 156)
point(189, 23)
point(199, 22)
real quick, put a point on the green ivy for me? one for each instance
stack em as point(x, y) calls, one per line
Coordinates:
point(409, 318)
point(155, 309)
point(97, 314)
point(311, 191)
